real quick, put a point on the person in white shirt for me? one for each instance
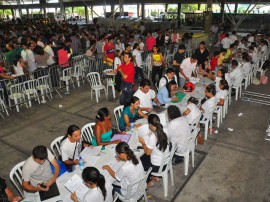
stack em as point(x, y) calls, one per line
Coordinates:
point(226, 42)
point(178, 132)
point(263, 47)
point(236, 74)
point(130, 172)
point(19, 65)
point(99, 189)
point(30, 57)
point(166, 78)
point(119, 45)
point(253, 54)
point(222, 94)
point(210, 104)
point(137, 61)
point(246, 65)
point(155, 149)
point(220, 75)
point(24, 51)
point(187, 67)
point(141, 44)
point(146, 96)
point(192, 112)
point(71, 147)
point(233, 37)
point(49, 50)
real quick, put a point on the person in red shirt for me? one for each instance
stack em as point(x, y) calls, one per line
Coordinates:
point(150, 41)
point(63, 56)
point(127, 71)
point(214, 61)
point(109, 49)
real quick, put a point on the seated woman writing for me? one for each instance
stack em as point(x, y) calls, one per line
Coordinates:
point(155, 149)
point(165, 94)
point(103, 129)
point(130, 114)
point(71, 147)
point(130, 172)
point(100, 190)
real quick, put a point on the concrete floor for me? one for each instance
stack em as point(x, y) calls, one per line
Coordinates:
point(230, 166)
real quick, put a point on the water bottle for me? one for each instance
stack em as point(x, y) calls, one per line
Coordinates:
point(81, 163)
point(132, 127)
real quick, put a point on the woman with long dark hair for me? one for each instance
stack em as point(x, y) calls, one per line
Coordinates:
point(103, 128)
point(156, 147)
point(71, 146)
point(165, 93)
point(130, 114)
point(223, 93)
point(99, 189)
point(130, 172)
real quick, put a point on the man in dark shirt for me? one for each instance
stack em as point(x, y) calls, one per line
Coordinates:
point(179, 56)
point(202, 54)
point(160, 40)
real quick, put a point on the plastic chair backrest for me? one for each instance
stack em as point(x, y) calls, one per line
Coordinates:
point(15, 176)
point(167, 159)
point(16, 88)
point(44, 81)
point(55, 146)
point(87, 132)
point(140, 188)
point(30, 84)
point(67, 71)
point(117, 114)
point(94, 79)
point(108, 78)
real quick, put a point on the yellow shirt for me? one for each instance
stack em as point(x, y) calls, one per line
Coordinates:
point(220, 59)
point(229, 52)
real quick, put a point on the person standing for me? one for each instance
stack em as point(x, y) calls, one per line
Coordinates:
point(178, 58)
point(187, 67)
point(127, 71)
point(150, 41)
point(137, 61)
point(31, 61)
point(202, 54)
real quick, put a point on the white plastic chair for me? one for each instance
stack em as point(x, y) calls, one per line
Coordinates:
point(258, 67)
point(3, 107)
point(238, 89)
point(55, 146)
point(43, 85)
point(30, 90)
point(16, 94)
point(218, 111)
point(87, 132)
point(141, 186)
point(166, 161)
point(109, 81)
point(67, 78)
point(117, 114)
point(15, 176)
point(78, 73)
point(96, 85)
point(206, 120)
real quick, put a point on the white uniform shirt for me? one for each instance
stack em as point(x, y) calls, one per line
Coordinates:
point(254, 56)
point(246, 66)
point(138, 57)
point(128, 174)
point(179, 132)
point(96, 195)
point(209, 106)
point(222, 94)
point(233, 38)
point(217, 81)
point(226, 42)
point(194, 113)
point(187, 67)
point(18, 69)
point(156, 155)
point(228, 79)
point(163, 82)
point(145, 98)
point(23, 54)
point(116, 62)
point(236, 76)
point(68, 148)
point(32, 65)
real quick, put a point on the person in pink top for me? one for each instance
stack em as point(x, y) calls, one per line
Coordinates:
point(150, 41)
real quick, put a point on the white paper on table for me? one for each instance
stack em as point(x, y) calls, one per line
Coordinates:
point(91, 161)
point(91, 151)
point(143, 131)
point(64, 178)
point(141, 121)
point(75, 183)
point(194, 80)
